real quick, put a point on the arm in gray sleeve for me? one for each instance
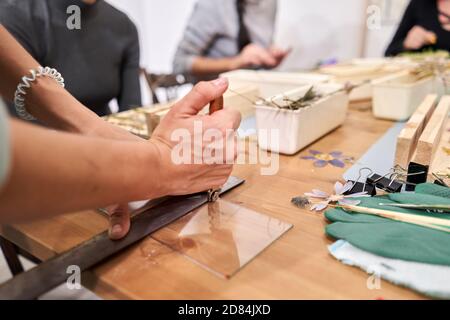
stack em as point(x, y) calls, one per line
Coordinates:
point(202, 28)
point(4, 145)
point(130, 90)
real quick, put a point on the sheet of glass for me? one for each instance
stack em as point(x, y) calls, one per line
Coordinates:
point(222, 237)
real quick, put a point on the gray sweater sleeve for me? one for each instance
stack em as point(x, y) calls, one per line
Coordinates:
point(203, 26)
point(130, 91)
point(4, 145)
point(21, 23)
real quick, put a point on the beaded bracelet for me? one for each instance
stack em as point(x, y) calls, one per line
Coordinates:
point(19, 96)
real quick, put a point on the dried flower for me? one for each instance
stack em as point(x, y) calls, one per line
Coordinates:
point(433, 65)
point(310, 96)
point(337, 197)
point(301, 202)
point(335, 158)
point(306, 100)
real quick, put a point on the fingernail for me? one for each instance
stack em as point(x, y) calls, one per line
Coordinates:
point(220, 82)
point(116, 230)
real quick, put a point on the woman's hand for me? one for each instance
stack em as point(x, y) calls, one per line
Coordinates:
point(419, 37)
point(207, 143)
point(279, 54)
point(194, 132)
point(119, 214)
point(183, 178)
point(255, 55)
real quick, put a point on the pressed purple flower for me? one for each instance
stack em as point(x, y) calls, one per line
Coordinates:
point(336, 154)
point(335, 158)
point(321, 163)
point(337, 163)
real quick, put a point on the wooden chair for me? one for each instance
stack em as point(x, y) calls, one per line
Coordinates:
point(168, 82)
point(11, 253)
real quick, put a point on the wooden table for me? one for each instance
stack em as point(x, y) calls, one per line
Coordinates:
point(297, 266)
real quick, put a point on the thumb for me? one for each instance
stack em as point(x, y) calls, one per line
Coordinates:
point(119, 220)
point(202, 94)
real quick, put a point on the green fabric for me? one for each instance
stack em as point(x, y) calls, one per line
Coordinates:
point(433, 189)
point(393, 239)
point(417, 198)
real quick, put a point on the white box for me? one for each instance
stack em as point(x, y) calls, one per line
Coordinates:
point(360, 70)
point(396, 97)
point(271, 83)
point(299, 128)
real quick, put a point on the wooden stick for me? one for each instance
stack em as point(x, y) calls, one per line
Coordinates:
point(409, 136)
point(426, 225)
point(441, 160)
point(404, 217)
point(445, 207)
point(431, 136)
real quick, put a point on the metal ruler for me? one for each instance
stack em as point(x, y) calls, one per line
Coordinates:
point(53, 272)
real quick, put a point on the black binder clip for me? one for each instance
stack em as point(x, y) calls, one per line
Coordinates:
point(440, 181)
point(417, 174)
point(387, 182)
point(360, 187)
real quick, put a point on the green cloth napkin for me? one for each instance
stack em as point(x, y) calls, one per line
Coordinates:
point(417, 198)
point(393, 239)
point(433, 189)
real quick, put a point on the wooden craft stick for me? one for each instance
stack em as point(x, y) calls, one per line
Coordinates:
point(431, 136)
point(441, 162)
point(430, 222)
point(400, 215)
point(443, 207)
point(409, 136)
point(216, 105)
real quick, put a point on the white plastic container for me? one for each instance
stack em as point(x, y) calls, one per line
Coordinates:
point(396, 97)
point(297, 129)
point(271, 83)
point(360, 70)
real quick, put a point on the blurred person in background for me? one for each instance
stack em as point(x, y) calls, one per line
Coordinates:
point(227, 35)
point(100, 61)
point(425, 26)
